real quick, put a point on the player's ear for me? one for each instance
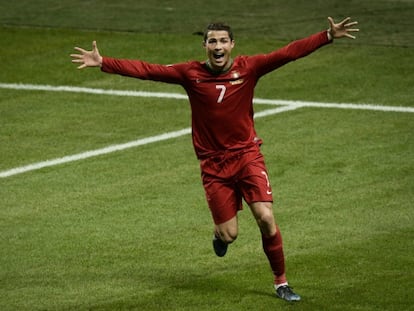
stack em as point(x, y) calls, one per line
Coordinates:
point(203, 44)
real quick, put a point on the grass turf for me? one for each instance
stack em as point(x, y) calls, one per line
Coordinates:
point(131, 230)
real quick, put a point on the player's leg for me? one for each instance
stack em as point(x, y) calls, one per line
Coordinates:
point(224, 202)
point(255, 186)
point(227, 231)
point(273, 248)
point(256, 189)
point(271, 239)
point(224, 234)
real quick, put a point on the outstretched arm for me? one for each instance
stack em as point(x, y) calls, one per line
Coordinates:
point(87, 58)
point(342, 29)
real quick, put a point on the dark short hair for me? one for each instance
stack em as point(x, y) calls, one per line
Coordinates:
point(218, 26)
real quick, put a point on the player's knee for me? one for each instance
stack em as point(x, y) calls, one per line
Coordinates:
point(266, 220)
point(228, 236)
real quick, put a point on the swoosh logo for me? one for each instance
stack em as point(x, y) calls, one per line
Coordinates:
point(267, 181)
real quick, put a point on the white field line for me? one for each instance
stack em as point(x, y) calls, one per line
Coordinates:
point(113, 148)
point(333, 105)
point(73, 89)
point(94, 153)
point(286, 106)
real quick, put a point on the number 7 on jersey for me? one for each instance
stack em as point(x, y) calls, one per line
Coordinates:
point(222, 89)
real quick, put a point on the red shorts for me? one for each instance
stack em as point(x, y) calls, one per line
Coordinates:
point(231, 177)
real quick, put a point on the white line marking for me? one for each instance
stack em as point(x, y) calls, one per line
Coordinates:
point(286, 106)
point(269, 112)
point(335, 105)
point(74, 89)
point(94, 153)
point(50, 88)
point(113, 148)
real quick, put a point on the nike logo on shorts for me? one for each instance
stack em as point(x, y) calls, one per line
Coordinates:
point(268, 182)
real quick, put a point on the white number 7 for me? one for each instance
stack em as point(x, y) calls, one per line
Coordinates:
point(222, 89)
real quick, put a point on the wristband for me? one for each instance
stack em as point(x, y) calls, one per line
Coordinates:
point(329, 34)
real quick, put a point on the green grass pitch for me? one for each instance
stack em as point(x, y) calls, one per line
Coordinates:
point(130, 230)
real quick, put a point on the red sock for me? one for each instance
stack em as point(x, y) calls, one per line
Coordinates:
point(273, 248)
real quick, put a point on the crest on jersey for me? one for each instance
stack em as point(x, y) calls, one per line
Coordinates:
point(235, 75)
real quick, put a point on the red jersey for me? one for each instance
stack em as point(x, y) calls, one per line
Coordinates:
point(221, 104)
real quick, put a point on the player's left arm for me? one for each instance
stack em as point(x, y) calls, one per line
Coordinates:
point(303, 47)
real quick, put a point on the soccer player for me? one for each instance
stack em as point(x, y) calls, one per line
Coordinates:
point(220, 92)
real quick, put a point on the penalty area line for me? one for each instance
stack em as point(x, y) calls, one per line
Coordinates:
point(284, 105)
point(94, 153)
point(119, 147)
point(279, 102)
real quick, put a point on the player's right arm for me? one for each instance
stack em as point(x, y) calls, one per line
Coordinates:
point(131, 68)
point(143, 70)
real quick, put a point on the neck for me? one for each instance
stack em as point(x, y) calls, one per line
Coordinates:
point(219, 70)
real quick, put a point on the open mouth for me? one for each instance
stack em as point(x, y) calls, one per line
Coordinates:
point(218, 56)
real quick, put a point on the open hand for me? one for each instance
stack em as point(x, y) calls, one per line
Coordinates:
point(342, 29)
point(87, 58)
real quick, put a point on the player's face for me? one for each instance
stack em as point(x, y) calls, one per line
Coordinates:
point(218, 46)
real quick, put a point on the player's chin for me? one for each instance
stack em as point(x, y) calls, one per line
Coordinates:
point(219, 63)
